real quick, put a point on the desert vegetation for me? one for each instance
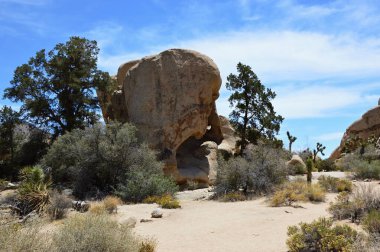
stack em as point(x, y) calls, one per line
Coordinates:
point(62, 156)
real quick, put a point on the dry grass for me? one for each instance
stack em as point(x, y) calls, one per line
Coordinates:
point(332, 184)
point(20, 238)
point(97, 208)
point(110, 203)
point(165, 201)
point(233, 197)
point(94, 233)
point(59, 205)
point(297, 191)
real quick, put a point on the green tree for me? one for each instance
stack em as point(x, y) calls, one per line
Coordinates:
point(291, 139)
point(253, 116)
point(56, 88)
point(9, 119)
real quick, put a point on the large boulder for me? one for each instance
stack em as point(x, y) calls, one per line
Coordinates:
point(170, 97)
point(367, 126)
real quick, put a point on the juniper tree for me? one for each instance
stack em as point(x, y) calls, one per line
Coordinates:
point(57, 88)
point(253, 116)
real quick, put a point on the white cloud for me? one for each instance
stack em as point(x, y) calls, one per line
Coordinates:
point(24, 2)
point(283, 60)
point(333, 136)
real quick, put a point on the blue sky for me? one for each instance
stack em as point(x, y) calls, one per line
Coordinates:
point(322, 58)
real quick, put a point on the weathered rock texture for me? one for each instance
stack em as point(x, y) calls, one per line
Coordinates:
point(368, 125)
point(170, 97)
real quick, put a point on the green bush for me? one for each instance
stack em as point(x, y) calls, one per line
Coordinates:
point(332, 184)
point(93, 233)
point(257, 172)
point(297, 169)
point(296, 191)
point(326, 165)
point(320, 235)
point(107, 159)
point(371, 222)
point(367, 169)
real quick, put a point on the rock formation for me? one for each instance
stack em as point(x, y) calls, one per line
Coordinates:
point(170, 97)
point(295, 161)
point(367, 126)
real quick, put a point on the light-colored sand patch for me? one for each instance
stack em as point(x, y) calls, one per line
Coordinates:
point(216, 226)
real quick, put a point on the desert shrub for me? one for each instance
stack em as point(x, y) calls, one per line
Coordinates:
point(296, 191)
point(148, 246)
point(3, 184)
point(33, 192)
point(258, 171)
point(368, 194)
point(364, 199)
point(320, 235)
point(371, 222)
point(344, 208)
point(305, 154)
point(165, 201)
point(110, 203)
point(20, 238)
point(24, 145)
point(141, 184)
point(367, 169)
point(332, 184)
point(107, 159)
point(97, 208)
point(366, 166)
point(59, 205)
point(297, 169)
point(325, 165)
point(344, 185)
point(369, 243)
point(94, 233)
point(233, 196)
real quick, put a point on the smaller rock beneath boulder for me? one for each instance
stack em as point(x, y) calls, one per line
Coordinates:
point(80, 206)
point(131, 222)
point(145, 220)
point(67, 192)
point(157, 213)
point(10, 186)
point(296, 165)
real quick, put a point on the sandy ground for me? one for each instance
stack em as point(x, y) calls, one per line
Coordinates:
point(206, 225)
point(216, 226)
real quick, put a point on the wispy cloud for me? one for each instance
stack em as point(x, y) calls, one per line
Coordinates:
point(16, 14)
point(333, 136)
point(25, 2)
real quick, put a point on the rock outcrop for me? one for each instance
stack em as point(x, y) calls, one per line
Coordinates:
point(170, 97)
point(367, 126)
point(228, 145)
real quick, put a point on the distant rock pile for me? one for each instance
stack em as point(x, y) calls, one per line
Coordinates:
point(170, 97)
point(367, 126)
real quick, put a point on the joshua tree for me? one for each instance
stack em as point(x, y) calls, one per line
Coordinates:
point(320, 149)
point(292, 139)
point(309, 166)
